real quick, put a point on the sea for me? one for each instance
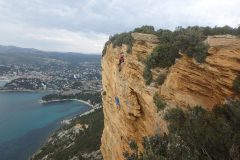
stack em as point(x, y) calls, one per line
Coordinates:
point(26, 124)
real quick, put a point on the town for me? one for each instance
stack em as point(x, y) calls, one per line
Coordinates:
point(54, 75)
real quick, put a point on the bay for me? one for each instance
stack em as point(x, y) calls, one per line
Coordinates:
point(25, 124)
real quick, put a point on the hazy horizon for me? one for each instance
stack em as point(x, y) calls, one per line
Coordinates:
point(47, 50)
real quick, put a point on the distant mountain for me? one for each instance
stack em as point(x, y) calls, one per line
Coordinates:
point(13, 49)
point(18, 55)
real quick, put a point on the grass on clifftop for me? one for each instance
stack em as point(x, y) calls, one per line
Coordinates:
point(84, 142)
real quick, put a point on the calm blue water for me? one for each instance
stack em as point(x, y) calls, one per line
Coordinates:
point(26, 124)
point(2, 83)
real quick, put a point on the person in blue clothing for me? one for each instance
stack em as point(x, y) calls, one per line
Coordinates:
point(117, 102)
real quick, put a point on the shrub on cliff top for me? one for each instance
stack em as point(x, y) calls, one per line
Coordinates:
point(162, 55)
point(105, 48)
point(190, 42)
point(197, 134)
point(221, 30)
point(145, 29)
point(118, 40)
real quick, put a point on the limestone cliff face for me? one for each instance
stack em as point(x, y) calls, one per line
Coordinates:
point(187, 83)
point(209, 83)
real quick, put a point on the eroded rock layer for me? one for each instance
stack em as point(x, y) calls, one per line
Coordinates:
point(207, 84)
point(187, 83)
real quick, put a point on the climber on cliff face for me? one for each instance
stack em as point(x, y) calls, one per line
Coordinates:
point(117, 102)
point(121, 59)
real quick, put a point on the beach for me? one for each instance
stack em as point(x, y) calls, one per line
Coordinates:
point(58, 100)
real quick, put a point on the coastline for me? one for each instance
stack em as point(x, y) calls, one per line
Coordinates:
point(54, 113)
point(29, 91)
point(68, 121)
point(58, 100)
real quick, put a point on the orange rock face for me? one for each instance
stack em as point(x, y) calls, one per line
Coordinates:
point(187, 82)
point(207, 84)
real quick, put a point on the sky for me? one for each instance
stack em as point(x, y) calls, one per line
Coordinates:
point(85, 25)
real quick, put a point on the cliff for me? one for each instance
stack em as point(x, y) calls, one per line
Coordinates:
point(187, 83)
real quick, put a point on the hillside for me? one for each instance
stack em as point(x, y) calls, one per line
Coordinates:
point(16, 55)
point(186, 82)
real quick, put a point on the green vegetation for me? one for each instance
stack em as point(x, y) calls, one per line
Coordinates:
point(162, 56)
point(187, 40)
point(159, 103)
point(94, 98)
point(140, 59)
point(221, 30)
point(236, 84)
point(104, 93)
point(118, 40)
point(195, 134)
point(184, 34)
point(83, 142)
point(123, 38)
point(147, 75)
point(161, 78)
point(76, 84)
point(145, 29)
point(4, 69)
point(105, 48)
point(119, 69)
point(190, 42)
point(24, 83)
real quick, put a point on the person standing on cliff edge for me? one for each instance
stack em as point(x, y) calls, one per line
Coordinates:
point(117, 102)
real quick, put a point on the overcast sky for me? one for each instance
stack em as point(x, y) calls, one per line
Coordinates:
point(85, 25)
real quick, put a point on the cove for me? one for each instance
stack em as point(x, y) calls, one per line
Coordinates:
point(25, 124)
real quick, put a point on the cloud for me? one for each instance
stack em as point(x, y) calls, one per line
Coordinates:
point(90, 22)
point(51, 39)
point(48, 38)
